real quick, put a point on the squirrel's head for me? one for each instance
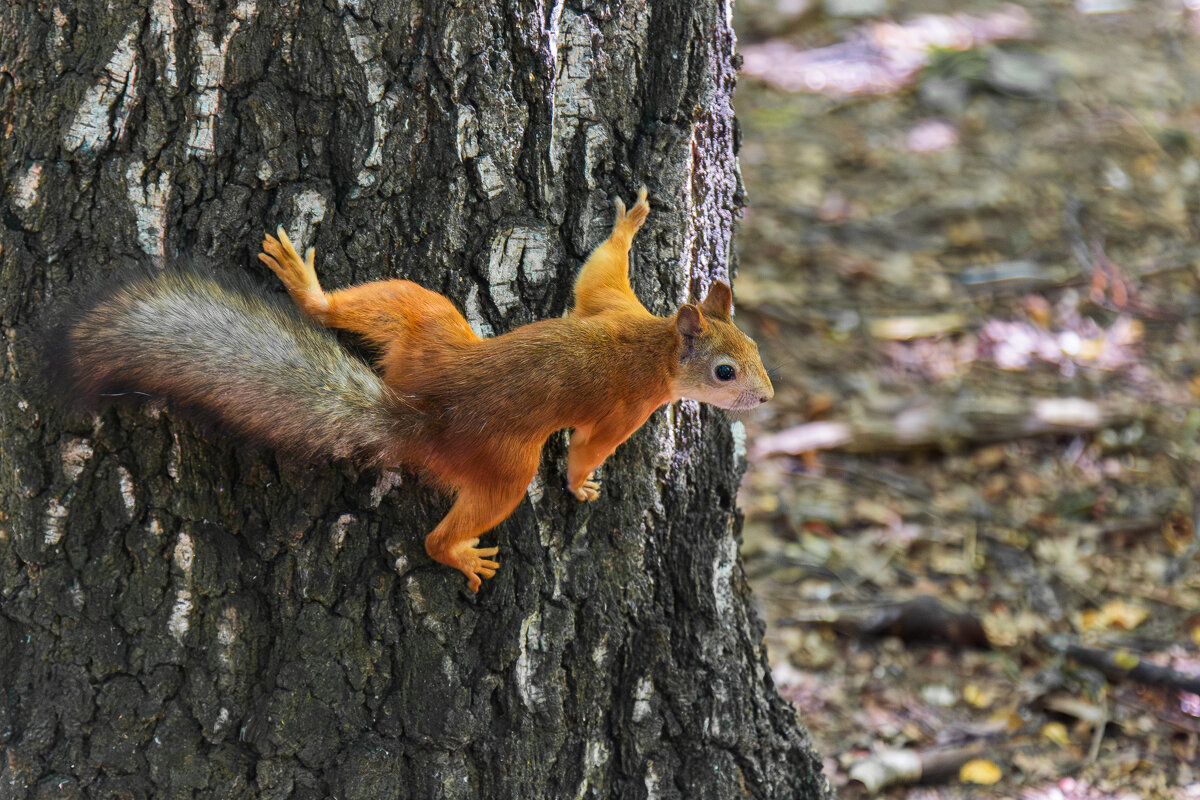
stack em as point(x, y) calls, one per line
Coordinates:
point(718, 363)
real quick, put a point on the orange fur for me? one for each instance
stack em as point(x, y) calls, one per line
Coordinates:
point(488, 405)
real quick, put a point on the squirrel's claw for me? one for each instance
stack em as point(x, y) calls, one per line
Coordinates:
point(589, 490)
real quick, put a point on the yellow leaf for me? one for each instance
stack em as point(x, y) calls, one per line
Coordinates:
point(1056, 732)
point(1126, 616)
point(1195, 633)
point(1125, 659)
point(1114, 614)
point(977, 696)
point(981, 771)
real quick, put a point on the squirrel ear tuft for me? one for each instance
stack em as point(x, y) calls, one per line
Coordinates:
point(719, 301)
point(689, 321)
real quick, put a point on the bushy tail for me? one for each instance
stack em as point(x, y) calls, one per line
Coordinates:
point(244, 361)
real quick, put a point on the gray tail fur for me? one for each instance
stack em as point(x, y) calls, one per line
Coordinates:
point(240, 359)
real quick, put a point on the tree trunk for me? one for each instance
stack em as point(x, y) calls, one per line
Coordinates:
point(184, 616)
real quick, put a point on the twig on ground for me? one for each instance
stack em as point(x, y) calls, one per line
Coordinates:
point(1123, 664)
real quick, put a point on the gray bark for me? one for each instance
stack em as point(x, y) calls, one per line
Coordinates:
point(184, 616)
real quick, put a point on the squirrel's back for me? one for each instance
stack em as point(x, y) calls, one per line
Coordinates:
point(238, 358)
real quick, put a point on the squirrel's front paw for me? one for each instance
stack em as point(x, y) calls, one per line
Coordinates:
point(589, 490)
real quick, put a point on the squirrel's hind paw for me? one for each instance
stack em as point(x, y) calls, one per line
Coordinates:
point(297, 274)
point(632, 220)
point(278, 254)
point(589, 490)
point(475, 563)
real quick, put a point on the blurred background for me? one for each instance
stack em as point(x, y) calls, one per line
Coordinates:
point(971, 255)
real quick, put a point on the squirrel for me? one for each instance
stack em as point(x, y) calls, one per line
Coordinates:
point(469, 413)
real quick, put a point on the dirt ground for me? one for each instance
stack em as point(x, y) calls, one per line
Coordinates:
point(971, 254)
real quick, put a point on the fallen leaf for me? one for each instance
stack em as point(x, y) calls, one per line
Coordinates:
point(1177, 530)
point(1056, 732)
point(978, 696)
point(913, 327)
point(1077, 707)
point(980, 771)
point(1116, 614)
point(1126, 659)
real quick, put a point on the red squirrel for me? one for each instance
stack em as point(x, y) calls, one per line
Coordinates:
point(471, 414)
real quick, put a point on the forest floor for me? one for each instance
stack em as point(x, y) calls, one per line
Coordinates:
point(972, 254)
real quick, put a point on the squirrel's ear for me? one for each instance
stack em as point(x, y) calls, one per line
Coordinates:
point(689, 321)
point(719, 301)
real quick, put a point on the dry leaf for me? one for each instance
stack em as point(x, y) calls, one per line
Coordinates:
point(1116, 614)
point(1177, 530)
point(1077, 707)
point(901, 329)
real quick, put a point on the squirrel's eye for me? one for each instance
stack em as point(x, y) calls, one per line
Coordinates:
point(724, 372)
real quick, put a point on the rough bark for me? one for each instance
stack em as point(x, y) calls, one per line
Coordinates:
point(182, 616)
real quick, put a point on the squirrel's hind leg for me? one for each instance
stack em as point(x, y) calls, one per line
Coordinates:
point(603, 282)
point(385, 312)
point(475, 511)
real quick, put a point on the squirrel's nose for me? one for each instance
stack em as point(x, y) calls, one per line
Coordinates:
point(762, 400)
